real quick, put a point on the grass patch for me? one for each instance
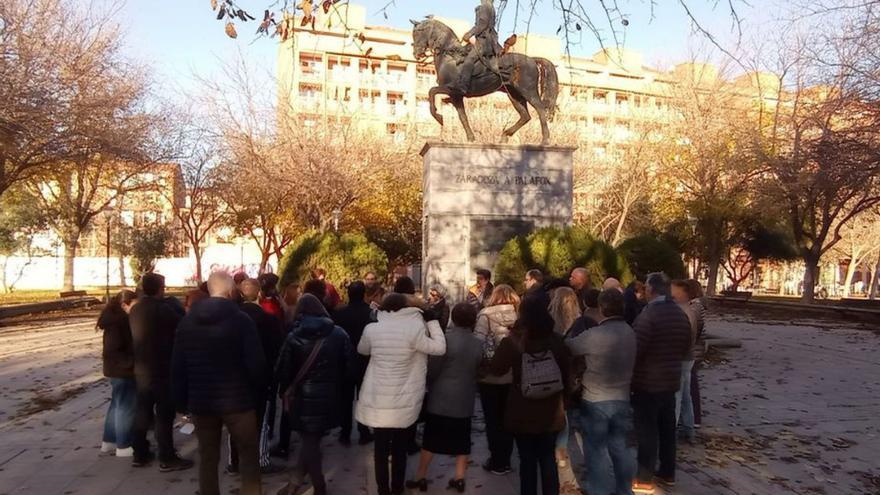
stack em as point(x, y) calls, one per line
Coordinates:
point(44, 295)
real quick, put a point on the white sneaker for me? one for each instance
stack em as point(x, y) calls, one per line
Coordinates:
point(126, 452)
point(107, 447)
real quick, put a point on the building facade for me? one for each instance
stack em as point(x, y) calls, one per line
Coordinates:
point(347, 70)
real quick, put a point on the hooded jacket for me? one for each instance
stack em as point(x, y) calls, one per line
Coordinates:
point(394, 386)
point(218, 365)
point(317, 404)
point(496, 321)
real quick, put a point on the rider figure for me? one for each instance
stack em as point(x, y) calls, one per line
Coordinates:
point(484, 39)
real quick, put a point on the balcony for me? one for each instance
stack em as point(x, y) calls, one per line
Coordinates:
point(312, 75)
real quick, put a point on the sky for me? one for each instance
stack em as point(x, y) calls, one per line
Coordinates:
point(181, 37)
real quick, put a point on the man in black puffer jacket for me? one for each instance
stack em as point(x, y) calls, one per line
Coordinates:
point(153, 323)
point(218, 368)
point(663, 336)
point(314, 363)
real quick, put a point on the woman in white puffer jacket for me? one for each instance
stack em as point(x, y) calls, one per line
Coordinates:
point(393, 389)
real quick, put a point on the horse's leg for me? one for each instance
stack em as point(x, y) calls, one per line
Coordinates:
point(521, 106)
point(458, 103)
point(535, 100)
point(432, 97)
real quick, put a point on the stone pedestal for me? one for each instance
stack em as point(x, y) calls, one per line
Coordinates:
point(476, 197)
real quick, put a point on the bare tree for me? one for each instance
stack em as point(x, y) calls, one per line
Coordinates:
point(708, 173)
point(68, 95)
point(204, 208)
point(259, 209)
point(306, 166)
point(859, 243)
point(72, 196)
point(821, 148)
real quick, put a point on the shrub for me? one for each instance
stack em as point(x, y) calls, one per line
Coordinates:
point(646, 254)
point(147, 245)
point(343, 257)
point(556, 251)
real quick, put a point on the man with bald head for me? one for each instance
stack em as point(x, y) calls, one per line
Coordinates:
point(217, 369)
point(612, 283)
point(580, 282)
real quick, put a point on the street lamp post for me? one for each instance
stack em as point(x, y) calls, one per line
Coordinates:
point(337, 214)
point(692, 221)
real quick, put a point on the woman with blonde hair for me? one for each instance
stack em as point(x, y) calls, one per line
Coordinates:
point(494, 324)
point(564, 308)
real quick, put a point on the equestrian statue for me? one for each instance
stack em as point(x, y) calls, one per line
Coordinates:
point(481, 66)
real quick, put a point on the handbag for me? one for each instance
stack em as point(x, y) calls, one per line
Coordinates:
point(300, 375)
point(488, 350)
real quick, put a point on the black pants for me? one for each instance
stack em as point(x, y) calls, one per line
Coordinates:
point(493, 398)
point(348, 395)
point(654, 418)
point(393, 442)
point(537, 452)
point(154, 407)
point(243, 430)
point(284, 431)
point(310, 461)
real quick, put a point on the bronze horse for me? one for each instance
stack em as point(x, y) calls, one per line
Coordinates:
point(526, 80)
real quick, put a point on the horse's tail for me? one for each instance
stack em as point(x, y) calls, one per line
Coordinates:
point(548, 85)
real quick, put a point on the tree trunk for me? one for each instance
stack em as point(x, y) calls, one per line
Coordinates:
point(264, 258)
point(811, 266)
point(875, 280)
point(121, 260)
point(71, 243)
point(197, 252)
point(3, 275)
point(712, 282)
point(850, 273)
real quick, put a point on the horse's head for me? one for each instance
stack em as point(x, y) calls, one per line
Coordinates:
point(431, 36)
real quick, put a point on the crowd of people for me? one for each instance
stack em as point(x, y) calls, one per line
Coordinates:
point(617, 366)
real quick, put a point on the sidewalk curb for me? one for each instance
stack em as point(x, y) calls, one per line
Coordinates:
point(48, 306)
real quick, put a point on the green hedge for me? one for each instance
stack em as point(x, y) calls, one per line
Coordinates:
point(646, 254)
point(343, 257)
point(556, 251)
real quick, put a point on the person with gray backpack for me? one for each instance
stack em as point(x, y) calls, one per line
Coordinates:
point(535, 412)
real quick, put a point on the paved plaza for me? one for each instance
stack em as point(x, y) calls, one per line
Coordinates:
point(794, 410)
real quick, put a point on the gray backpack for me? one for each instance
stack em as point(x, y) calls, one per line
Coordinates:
point(541, 376)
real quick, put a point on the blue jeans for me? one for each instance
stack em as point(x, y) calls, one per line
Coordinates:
point(684, 405)
point(120, 414)
point(606, 426)
point(562, 437)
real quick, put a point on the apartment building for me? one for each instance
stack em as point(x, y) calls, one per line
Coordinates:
point(149, 207)
point(345, 69)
